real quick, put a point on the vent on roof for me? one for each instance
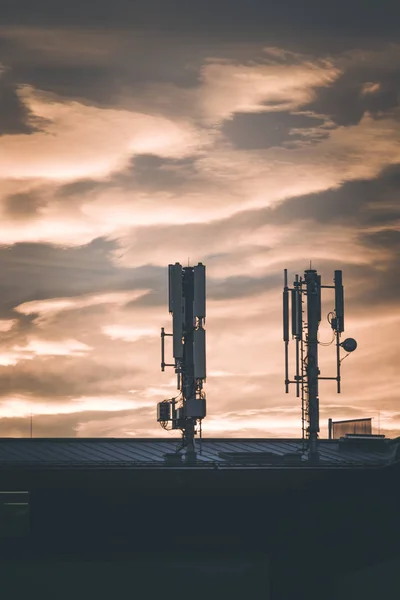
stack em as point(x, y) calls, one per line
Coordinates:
point(260, 457)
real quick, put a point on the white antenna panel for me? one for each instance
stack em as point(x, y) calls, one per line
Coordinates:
point(199, 307)
point(199, 353)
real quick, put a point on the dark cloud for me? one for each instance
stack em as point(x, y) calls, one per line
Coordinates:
point(150, 171)
point(15, 117)
point(245, 16)
point(241, 286)
point(145, 172)
point(352, 95)
point(358, 205)
point(94, 82)
point(388, 239)
point(382, 281)
point(111, 69)
point(248, 131)
point(80, 186)
point(372, 202)
point(25, 205)
point(38, 271)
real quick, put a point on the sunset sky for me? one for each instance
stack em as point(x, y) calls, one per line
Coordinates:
point(250, 136)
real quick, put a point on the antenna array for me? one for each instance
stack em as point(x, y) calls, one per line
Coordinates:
point(305, 319)
point(187, 304)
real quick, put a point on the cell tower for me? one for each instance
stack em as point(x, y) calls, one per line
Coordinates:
point(306, 317)
point(187, 303)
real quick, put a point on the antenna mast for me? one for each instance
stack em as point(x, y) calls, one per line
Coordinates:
point(307, 291)
point(187, 303)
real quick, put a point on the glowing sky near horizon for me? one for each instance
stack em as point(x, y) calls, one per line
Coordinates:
point(127, 147)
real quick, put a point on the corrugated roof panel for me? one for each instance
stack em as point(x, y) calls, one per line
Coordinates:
point(111, 452)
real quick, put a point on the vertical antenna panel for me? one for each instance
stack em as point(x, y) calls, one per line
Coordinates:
point(199, 353)
point(174, 286)
point(296, 312)
point(177, 305)
point(339, 301)
point(199, 307)
point(286, 328)
point(285, 307)
point(318, 279)
point(177, 344)
point(170, 277)
point(285, 316)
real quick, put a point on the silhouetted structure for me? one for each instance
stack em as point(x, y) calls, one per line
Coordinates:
point(306, 317)
point(187, 304)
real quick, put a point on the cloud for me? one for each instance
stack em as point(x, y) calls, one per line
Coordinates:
point(201, 178)
point(229, 88)
point(265, 130)
point(129, 334)
point(368, 84)
point(50, 308)
point(83, 141)
point(216, 185)
point(80, 276)
point(247, 245)
point(16, 118)
point(25, 205)
point(43, 348)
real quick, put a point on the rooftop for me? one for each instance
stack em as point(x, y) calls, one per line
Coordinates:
point(111, 453)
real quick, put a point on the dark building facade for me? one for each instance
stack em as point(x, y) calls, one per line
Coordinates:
point(252, 519)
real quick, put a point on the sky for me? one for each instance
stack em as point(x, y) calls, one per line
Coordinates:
point(252, 136)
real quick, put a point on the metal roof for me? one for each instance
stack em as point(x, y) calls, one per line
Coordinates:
point(131, 452)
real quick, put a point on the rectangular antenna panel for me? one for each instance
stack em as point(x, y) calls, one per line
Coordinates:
point(199, 307)
point(174, 286)
point(318, 277)
point(285, 316)
point(170, 301)
point(339, 301)
point(199, 353)
point(296, 312)
point(176, 303)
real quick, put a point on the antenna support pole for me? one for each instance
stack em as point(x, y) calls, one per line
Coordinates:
point(312, 371)
point(188, 381)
